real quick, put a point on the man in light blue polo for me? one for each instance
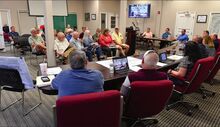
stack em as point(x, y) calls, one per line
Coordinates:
point(183, 37)
point(78, 79)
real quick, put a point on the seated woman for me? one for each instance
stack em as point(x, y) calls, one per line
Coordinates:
point(192, 54)
point(61, 46)
point(91, 46)
point(106, 43)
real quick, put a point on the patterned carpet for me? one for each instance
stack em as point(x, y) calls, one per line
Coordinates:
point(208, 113)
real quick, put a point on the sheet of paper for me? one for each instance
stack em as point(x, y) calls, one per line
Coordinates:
point(40, 83)
point(135, 68)
point(54, 70)
point(131, 62)
point(134, 61)
point(175, 57)
point(161, 64)
point(105, 63)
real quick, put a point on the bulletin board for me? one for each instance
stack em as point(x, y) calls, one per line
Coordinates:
point(185, 20)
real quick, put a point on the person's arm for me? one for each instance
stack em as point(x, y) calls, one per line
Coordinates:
point(102, 42)
point(31, 42)
point(58, 80)
point(125, 88)
point(180, 73)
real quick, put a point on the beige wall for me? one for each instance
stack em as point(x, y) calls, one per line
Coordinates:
point(157, 22)
point(14, 6)
point(199, 7)
point(111, 7)
point(152, 22)
point(75, 6)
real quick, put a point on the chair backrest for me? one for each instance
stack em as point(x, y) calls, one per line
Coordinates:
point(199, 73)
point(214, 69)
point(147, 98)
point(218, 50)
point(101, 109)
point(10, 78)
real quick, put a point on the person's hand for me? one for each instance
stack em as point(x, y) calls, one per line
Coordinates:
point(169, 71)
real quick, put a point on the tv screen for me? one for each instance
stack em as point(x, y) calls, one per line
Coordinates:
point(139, 11)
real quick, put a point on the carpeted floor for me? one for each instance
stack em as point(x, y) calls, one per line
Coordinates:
point(208, 113)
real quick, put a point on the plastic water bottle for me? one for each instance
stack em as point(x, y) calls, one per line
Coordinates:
point(111, 68)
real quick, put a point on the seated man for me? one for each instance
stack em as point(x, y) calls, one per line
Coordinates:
point(183, 37)
point(60, 46)
point(13, 34)
point(82, 33)
point(92, 47)
point(202, 48)
point(78, 80)
point(166, 35)
point(69, 34)
point(147, 73)
point(97, 35)
point(119, 41)
point(78, 44)
point(37, 42)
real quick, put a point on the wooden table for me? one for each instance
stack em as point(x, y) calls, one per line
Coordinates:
point(112, 81)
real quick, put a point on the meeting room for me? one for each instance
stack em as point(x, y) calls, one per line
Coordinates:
point(109, 63)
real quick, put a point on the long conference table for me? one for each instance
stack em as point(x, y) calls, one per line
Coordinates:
point(111, 80)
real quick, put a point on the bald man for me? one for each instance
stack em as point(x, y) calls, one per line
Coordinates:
point(147, 73)
point(60, 46)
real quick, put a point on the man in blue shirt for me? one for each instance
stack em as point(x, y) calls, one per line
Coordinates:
point(13, 34)
point(165, 36)
point(78, 80)
point(183, 37)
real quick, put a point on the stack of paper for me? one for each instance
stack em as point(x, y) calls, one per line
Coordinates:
point(175, 57)
point(105, 63)
point(135, 68)
point(54, 70)
point(161, 64)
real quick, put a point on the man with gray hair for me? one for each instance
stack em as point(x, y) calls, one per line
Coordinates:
point(78, 79)
point(147, 73)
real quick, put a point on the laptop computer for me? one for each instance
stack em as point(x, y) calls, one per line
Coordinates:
point(120, 65)
point(163, 58)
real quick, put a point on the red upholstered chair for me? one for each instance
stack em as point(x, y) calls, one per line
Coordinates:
point(101, 109)
point(147, 98)
point(193, 83)
point(218, 50)
point(214, 68)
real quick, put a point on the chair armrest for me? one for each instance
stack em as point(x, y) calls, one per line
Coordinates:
point(182, 79)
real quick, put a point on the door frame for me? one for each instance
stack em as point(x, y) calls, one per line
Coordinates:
point(106, 19)
point(8, 15)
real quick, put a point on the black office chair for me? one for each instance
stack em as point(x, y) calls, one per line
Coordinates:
point(11, 81)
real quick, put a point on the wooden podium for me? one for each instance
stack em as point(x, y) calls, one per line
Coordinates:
point(131, 41)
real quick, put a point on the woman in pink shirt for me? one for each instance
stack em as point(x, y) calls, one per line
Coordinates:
point(106, 43)
point(148, 34)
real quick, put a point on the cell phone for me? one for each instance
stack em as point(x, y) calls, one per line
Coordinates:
point(45, 79)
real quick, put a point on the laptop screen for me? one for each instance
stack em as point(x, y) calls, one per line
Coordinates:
point(163, 57)
point(120, 64)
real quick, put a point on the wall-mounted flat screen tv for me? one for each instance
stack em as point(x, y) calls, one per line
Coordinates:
point(139, 10)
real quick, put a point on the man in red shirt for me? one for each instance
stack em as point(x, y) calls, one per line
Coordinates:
point(106, 43)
